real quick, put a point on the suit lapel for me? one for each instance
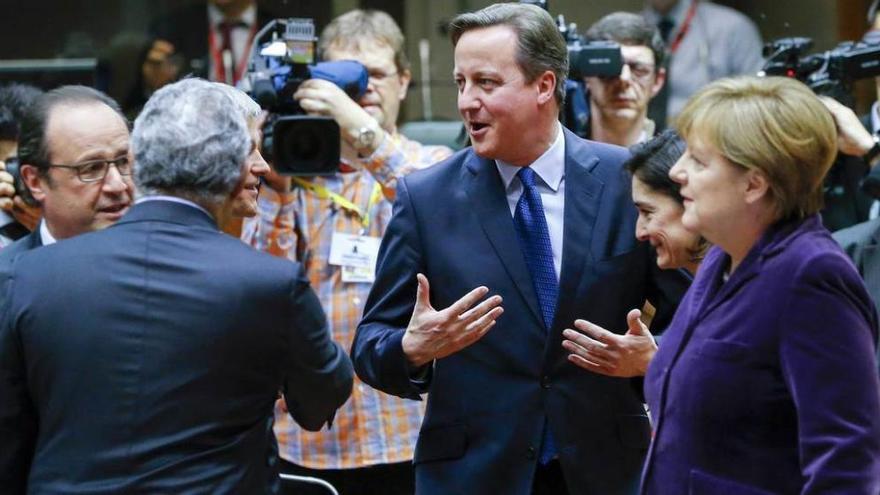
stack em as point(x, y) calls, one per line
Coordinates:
point(582, 203)
point(488, 198)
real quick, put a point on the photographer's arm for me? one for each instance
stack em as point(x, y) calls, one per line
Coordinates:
point(852, 137)
point(398, 156)
point(385, 155)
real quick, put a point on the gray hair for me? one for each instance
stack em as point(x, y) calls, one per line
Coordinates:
point(540, 47)
point(245, 104)
point(629, 29)
point(188, 143)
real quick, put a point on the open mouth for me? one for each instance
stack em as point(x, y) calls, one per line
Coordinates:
point(114, 208)
point(478, 128)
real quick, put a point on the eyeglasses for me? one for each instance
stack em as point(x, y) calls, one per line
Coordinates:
point(96, 170)
point(380, 76)
point(637, 69)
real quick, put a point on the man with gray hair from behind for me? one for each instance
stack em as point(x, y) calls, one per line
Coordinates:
point(176, 338)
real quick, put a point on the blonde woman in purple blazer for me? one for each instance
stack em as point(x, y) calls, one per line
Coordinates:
point(766, 380)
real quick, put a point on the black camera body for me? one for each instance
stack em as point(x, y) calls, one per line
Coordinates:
point(283, 56)
point(829, 73)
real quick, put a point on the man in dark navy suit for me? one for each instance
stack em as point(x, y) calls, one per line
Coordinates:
point(542, 220)
point(147, 357)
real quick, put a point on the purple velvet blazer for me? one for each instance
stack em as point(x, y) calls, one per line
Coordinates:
point(767, 383)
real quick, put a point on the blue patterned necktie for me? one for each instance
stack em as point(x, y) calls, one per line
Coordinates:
point(534, 241)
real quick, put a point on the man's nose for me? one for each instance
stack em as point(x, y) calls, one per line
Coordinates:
point(259, 167)
point(113, 181)
point(626, 73)
point(641, 230)
point(467, 100)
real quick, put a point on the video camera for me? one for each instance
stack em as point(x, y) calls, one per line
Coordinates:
point(829, 73)
point(282, 57)
point(586, 58)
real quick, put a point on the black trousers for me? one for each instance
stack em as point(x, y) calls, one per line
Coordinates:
point(386, 479)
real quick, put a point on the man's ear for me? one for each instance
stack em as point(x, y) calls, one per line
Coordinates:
point(405, 78)
point(659, 81)
point(34, 181)
point(546, 86)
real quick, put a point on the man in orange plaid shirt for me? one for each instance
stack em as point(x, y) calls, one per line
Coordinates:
point(370, 446)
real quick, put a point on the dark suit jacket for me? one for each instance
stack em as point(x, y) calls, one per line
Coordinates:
point(767, 383)
point(26, 243)
point(861, 243)
point(147, 357)
point(488, 403)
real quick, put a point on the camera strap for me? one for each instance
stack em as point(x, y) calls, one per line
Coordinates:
point(342, 202)
point(685, 26)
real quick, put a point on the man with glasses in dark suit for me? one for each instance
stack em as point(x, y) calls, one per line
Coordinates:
point(73, 151)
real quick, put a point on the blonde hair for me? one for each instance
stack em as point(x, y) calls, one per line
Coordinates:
point(775, 125)
point(360, 26)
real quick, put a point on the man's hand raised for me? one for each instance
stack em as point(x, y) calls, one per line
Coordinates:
point(433, 334)
point(608, 353)
point(7, 190)
point(319, 97)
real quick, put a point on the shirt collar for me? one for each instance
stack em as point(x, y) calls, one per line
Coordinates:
point(550, 166)
point(46, 237)
point(249, 16)
point(173, 199)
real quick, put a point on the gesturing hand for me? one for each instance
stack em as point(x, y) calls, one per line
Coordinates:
point(433, 334)
point(608, 353)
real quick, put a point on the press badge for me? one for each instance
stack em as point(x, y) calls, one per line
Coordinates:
point(356, 254)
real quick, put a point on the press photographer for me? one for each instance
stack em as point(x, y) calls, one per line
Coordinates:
point(831, 74)
point(320, 220)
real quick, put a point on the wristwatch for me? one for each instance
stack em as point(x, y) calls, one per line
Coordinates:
point(365, 138)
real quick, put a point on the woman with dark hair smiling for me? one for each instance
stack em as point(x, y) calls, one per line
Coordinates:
point(660, 207)
point(660, 204)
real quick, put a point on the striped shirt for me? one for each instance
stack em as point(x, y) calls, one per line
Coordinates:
point(372, 427)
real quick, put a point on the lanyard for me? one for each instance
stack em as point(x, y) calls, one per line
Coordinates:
point(684, 27)
point(342, 202)
point(217, 55)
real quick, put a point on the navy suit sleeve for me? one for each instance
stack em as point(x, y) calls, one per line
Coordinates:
point(377, 351)
point(828, 333)
point(18, 418)
point(319, 377)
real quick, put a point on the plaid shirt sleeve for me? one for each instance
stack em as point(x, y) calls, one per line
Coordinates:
point(271, 230)
point(398, 156)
